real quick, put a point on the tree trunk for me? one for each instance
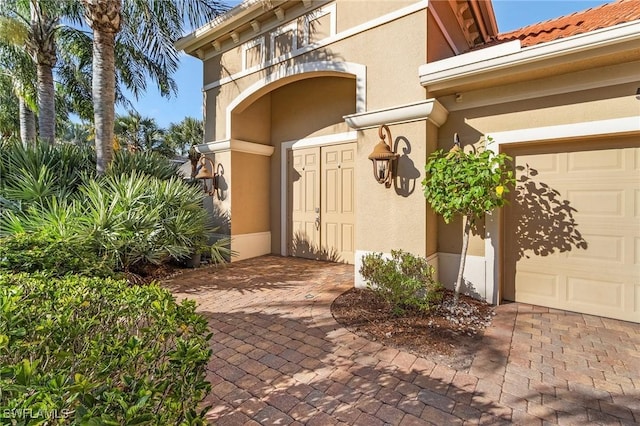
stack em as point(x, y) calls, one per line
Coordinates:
point(104, 83)
point(42, 47)
point(103, 16)
point(27, 124)
point(46, 103)
point(463, 257)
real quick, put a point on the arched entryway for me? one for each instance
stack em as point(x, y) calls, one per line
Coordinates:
point(308, 204)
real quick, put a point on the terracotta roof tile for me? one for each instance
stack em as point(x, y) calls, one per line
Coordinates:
point(603, 16)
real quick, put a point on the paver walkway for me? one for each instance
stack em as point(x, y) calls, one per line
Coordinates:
point(280, 358)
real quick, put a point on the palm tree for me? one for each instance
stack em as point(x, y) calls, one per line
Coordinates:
point(183, 135)
point(19, 75)
point(156, 23)
point(9, 122)
point(138, 133)
point(32, 25)
point(41, 46)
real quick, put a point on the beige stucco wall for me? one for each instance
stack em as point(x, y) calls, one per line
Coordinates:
point(251, 193)
point(355, 12)
point(393, 218)
point(311, 107)
point(587, 105)
point(253, 124)
point(431, 218)
point(220, 209)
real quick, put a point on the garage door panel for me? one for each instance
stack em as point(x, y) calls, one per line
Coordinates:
point(538, 285)
point(540, 163)
point(596, 160)
point(574, 243)
point(597, 203)
point(594, 293)
point(603, 248)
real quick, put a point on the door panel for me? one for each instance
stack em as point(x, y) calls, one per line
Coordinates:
point(304, 184)
point(338, 217)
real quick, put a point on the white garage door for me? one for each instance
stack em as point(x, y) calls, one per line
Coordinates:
point(572, 231)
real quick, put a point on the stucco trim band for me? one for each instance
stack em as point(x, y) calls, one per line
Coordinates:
point(251, 245)
point(236, 145)
point(574, 130)
point(429, 109)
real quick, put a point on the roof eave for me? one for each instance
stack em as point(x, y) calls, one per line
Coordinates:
point(445, 75)
point(223, 24)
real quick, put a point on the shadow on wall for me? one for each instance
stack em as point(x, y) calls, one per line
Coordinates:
point(302, 247)
point(221, 182)
point(544, 222)
point(405, 179)
point(218, 221)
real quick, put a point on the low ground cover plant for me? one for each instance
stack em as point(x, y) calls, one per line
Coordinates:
point(82, 350)
point(405, 281)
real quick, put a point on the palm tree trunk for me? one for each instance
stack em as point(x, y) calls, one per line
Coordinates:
point(104, 83)
point(27, 124)
point(463, 257)
point(42, 47)
point(46, 103)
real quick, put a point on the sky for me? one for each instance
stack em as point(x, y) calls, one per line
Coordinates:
point(510, 15)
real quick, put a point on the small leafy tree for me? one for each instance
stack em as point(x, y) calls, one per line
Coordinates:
point(467, 184)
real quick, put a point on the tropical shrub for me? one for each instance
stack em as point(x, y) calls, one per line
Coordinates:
point(469, 184)
point(136, 219)
point(404, 281)
point(98, 351)
point(36, 173)
point(128, 218)
point(148, 162)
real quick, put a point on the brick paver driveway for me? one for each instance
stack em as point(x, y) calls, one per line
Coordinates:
point(280, 358)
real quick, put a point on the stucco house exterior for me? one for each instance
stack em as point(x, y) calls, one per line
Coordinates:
point(294, 94)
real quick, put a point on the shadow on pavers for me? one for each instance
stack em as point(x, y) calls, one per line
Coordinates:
point(275, 369)
point(261, 273)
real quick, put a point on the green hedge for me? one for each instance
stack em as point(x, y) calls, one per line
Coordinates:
point(79, 350)
point(41, 252)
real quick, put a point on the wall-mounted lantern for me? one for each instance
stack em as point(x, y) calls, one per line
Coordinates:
point(383, 158)
point(205, 173)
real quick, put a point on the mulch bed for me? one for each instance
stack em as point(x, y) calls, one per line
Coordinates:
point(448, 334)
